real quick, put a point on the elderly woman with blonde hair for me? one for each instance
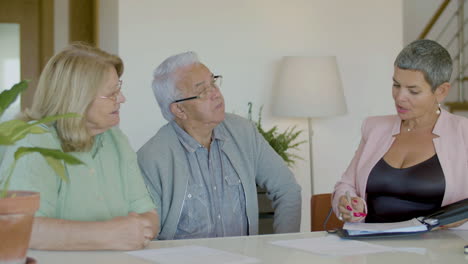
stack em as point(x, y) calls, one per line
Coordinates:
point(105, 204)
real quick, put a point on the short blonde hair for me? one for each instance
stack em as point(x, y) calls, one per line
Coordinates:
point(69, 84)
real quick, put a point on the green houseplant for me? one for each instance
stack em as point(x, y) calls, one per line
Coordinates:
point(281, 142)
point(17, 208)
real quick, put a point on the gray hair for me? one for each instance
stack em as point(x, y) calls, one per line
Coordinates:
point(428, 57)
point(165, 79)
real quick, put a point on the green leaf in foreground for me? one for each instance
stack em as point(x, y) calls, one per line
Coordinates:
point(7, 97)
point(53, 158)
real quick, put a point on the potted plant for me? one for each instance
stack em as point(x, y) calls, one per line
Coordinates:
point(280, 142)
point(17, 208)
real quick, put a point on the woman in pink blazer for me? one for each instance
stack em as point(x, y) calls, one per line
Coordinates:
point(408, 164)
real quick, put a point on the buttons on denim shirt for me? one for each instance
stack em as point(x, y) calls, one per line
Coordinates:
point(194, 221)
point(232, 180)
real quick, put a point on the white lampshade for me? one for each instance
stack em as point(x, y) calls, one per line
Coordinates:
point(309, 87)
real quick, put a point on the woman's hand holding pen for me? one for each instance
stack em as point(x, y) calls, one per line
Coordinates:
point(352, 209)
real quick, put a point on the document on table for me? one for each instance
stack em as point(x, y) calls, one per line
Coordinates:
point(409, 226)
point(334, 246)
point(191, 255)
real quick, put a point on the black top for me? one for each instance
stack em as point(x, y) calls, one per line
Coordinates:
point(401, 194)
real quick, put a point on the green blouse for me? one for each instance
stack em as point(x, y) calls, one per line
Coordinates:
point(108, 185)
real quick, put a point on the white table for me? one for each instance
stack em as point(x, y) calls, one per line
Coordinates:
point(445, 246)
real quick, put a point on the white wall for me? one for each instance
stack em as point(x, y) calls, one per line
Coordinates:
point(416, 15)
point(244, 40)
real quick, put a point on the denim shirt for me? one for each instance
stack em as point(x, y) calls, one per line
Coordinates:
point(166, 170)
point(214, 203)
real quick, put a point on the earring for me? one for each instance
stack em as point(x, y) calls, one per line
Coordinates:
point(438, 109)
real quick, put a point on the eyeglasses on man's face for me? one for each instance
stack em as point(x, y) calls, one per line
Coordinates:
point(206, 90)
point(115, 95)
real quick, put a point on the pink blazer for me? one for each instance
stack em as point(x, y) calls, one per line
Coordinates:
point(377, 136)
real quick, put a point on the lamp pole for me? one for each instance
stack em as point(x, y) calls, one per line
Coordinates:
point(311, 160)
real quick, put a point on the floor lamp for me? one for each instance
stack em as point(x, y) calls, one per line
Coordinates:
point(309, 87)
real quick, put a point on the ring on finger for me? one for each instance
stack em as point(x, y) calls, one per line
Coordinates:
point(340, 217)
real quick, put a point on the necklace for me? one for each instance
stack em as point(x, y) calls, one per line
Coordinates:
point(437, 113)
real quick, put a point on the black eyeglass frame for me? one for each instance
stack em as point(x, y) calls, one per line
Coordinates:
point(196, 96)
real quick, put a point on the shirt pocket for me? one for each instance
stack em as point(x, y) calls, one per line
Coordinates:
point(234, 191)
point(195, 221)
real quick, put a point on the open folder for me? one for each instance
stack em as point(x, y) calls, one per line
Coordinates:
point(443, 216)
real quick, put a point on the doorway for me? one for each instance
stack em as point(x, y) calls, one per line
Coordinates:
point(34, 23)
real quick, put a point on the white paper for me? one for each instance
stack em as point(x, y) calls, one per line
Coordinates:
point(332, 246)
point(420, 251)
point(412, 225)
point(191, 255)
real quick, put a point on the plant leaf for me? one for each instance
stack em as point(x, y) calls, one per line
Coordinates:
point(48, 152)
point(21, 131)
point(280, 142)
point(8, 130)
point(53, 158)
point(49, 119)
point(58, 167)
point(37, 130)
point(7, 97)
point(249, 113)
point(5, 140)
point(14, 130)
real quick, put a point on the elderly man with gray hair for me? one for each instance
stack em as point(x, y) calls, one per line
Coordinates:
point(203, 166)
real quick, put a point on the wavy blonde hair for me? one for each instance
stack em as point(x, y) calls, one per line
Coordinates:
point(69, 84)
